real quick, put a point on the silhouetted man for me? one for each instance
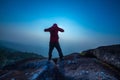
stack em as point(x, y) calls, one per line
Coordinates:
point(54, 40)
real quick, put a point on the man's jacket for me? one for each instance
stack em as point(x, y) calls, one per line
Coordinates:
point(54, 33)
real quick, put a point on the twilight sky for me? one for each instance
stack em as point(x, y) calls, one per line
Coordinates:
point(87, 23)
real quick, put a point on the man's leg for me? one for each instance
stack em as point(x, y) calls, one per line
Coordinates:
point(57, 45)
point(51, 47)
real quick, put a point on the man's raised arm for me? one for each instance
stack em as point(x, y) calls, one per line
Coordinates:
point(61, 30)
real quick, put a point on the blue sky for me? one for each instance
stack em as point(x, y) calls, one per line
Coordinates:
point(87, 23)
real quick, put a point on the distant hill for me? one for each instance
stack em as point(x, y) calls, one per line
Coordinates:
point(9, 56)
point(23, 47)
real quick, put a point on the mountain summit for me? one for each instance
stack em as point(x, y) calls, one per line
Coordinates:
point(94, 64)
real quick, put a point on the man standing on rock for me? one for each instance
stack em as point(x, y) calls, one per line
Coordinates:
point(54, 40)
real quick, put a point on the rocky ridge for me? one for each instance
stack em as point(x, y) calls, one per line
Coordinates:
point(109, 54)
point(76, 66)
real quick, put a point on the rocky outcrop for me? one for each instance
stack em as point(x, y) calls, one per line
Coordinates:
point(108, 54)
point(90, 65)
point(84, 68)
point(73, 67)
point(29, 70)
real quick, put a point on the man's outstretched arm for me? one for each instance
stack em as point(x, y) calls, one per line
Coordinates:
point(47, 30)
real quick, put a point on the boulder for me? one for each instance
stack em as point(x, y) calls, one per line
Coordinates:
point(108, 54)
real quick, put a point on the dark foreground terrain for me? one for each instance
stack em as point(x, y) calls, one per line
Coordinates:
point(102, 63)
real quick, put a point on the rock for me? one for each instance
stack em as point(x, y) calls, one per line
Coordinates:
point(42, 70)
point(73, 67)
point(108, 54)
point(82, 68)
point(31, 63)
point(45, 72)
point(88, 66)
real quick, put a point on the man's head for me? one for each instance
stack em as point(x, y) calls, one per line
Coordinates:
point(55, 25)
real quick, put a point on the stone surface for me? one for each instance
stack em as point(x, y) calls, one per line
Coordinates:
point(90, 65)
point(82, 68)
point(73, 67)
point(108, 54)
